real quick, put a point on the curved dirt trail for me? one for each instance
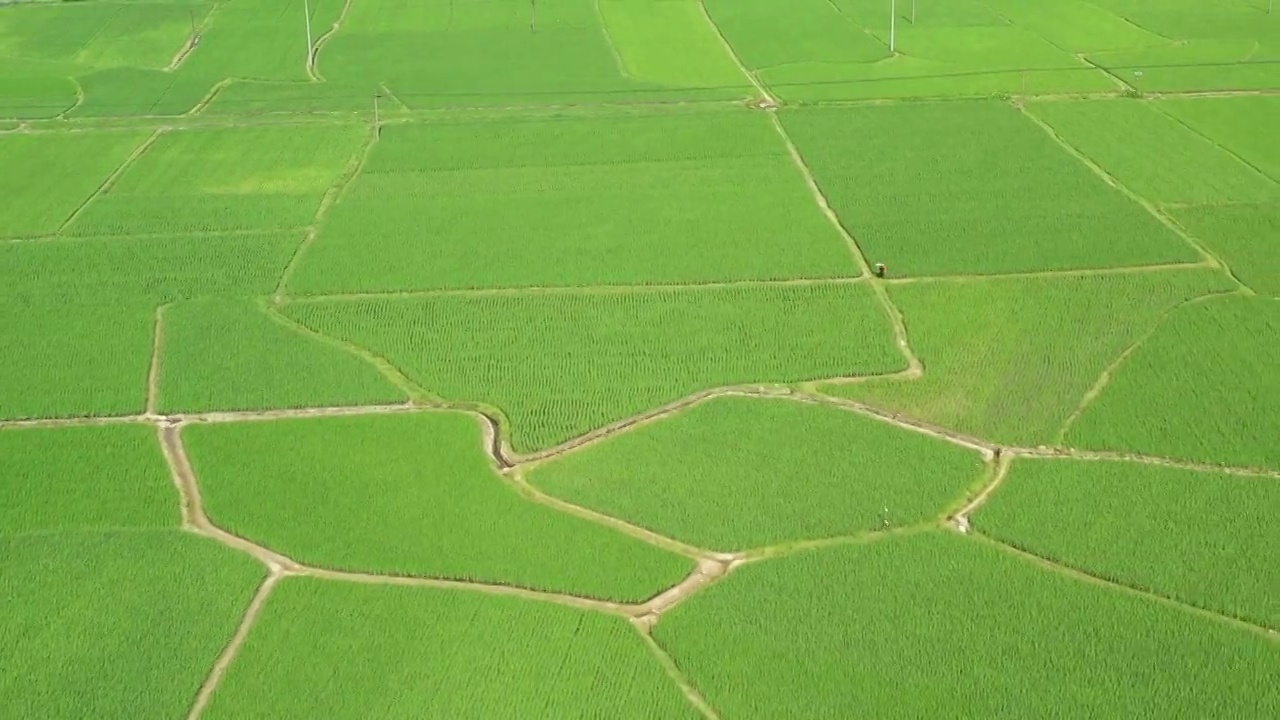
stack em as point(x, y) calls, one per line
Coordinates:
point(232, 649)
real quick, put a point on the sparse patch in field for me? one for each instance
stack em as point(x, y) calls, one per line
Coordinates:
point(411, 494)
point(1008, 359)
point(48, 177)
point(219, 180)
point(1202, 388)
point(411, 653)
point(971, 188)
point(560, 364)
point(83, 479)
point(901, 628)
point(72, 358)
point(100, 623)
point(734, 473)
point(1201, 538)
point(231, 355)
point(566, 202)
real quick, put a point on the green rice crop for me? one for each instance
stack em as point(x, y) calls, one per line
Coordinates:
point(1197, 537)
point(567, 208)
point(1155, 155)
point(672, 44)
point(559, 364)
point(252, 98)
point(1244, 236)
point(34, 90)
point(257, 178)
point(83, 478)
point(115, 624)
point(395, 652)
point(162, 268)
point(442, 54)
point(231, 355)
point(124, 91)
point(410, 494)
point(1077, 26)
point(767, 34)
point(47, 177)
point(935, 625)
point(1236, 124)
point(1203, 387)
point(260, 39)
point(971, 187)
point(736, 472)
point(1203, 64)
point(82, 358)
point(1009, 359)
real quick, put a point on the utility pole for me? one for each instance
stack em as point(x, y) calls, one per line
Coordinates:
point(377, 117)
point(893, 26)
point(913, 12)
point(306, 8)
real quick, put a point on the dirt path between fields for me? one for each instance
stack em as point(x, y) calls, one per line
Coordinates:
point(232, 649)
point(324, 38)
point(112, 179)
point(767, 100)
point(153, 372)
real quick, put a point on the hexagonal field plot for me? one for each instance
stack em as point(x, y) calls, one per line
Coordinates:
point(737, 472)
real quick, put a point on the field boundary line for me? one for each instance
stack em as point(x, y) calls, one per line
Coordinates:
point(1116, 456)
point(914, 367)
point(678, 677)
point(153, 371)
point(1216, 143)
point(767, 98)
point(386, 92)
point(79, 98)
point(192, 505)
point(355, 164)
point(1084, 272)
point(232, 649)
point(314, 58)
point(905, 422)
point(1155, 210)
point(618, 289)
point(414, 393)
point(112, 179)
point(1087, 577)
point(1110, 370)
point(193, 40)
point(209, 97)
point(608, 39)
point(794, 547)
point(960, 520)
point(518, 483)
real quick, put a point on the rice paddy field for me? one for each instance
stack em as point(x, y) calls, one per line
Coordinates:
point(721, 359)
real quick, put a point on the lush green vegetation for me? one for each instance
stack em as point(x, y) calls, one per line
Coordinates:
point(99, 622)
point(568, 216)
point(914, 627)
point(1126, 522)
point(77, 358)
point(48, 177)
point(1154, 154)
point(410, 494)
point(1203, 388)
point(233, 355)
point(395, 652)
point(83, 478)
point(1020, 202)
point(560, 364)
point(1010, 359)
point(262, 178)
point(737, 472)
point(692, 190)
